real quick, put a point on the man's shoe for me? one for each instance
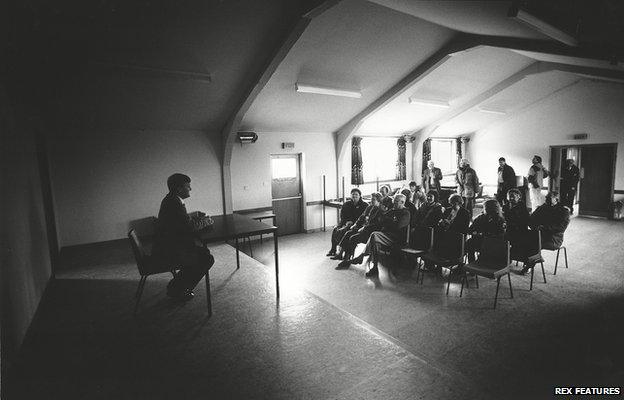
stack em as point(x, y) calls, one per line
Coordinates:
point(331, 253)
point(344, 265)
point(357, 260)
point(372, 272)
point(337, 257)
point(184, 296)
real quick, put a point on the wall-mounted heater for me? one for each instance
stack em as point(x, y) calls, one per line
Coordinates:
point(247, 137)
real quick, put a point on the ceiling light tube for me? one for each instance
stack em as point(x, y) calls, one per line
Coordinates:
point(303, 88)
point(429, 102)
point(491, 111)
point(542, 27)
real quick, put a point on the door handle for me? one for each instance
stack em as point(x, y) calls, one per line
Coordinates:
point(287, 198)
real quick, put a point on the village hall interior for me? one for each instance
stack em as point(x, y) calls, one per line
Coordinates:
point(326, 153)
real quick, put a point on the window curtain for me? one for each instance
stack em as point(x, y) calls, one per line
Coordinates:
point(357, 177)
point(426, 154)
point(458, 149)
point(401, 174)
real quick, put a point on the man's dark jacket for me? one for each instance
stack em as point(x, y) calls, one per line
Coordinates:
point(461, 221)
point(517, 217)
point(351, 211)
point(395, 222)
point(174, 230)
point(509, 179)
point(570, 177)
point(554, 221)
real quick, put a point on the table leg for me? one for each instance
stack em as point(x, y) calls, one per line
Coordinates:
point(277, 291)
point(237, 257)
point(208, 297)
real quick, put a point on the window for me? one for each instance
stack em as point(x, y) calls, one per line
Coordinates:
point(379, 158)
point(284, 168)
point(443, 154)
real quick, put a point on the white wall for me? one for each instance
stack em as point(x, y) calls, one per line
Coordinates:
point(251, 172)
point(102, 181)
point(588, 107)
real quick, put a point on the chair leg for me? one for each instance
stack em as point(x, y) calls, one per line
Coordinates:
point(448, 284)
point(543, 273)
point(464, 278)
point(477, 280)
point(496, 296)
point(565, 255)
point(532, 271)
point(139, 293)
point(208, 297)
point(557, 261)
point(510, 289)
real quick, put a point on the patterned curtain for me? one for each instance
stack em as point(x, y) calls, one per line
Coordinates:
point(426, 154)
point(401, 174)
point(357, 177)
point(458, 149)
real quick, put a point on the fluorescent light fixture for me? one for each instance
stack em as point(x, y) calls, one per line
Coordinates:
point(491, 111)
point(303, 88)
point(542, 26)
point(429, 102)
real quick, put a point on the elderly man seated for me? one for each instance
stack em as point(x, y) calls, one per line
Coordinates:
point(393, 232)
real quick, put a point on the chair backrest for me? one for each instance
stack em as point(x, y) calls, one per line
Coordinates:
point(449, 244)
point(138, 250)
point(422, 238)
point(495, 251)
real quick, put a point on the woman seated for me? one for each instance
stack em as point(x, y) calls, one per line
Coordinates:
point(456, 218)
point(367, 223)
point(489, 224)
point(409, 205)
point(430, 213)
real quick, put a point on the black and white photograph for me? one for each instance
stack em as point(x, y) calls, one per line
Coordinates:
point(311, 199)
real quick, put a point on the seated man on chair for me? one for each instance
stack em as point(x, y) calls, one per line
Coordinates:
point(490, 223)
point(349, 213)
point(430, 213)
point(410, 206)
point(359, 232)
point(175, 240)
point(393, 232)
point(552, 218)
point(456, 218)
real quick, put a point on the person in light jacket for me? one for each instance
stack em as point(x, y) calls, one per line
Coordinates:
point(467, 184)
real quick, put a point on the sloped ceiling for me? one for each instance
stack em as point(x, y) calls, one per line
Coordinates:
point(354, 45)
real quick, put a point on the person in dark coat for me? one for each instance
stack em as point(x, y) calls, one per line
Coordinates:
point(456, 217)
point(417, 196)
point(569, 181)
point(489, 224)
point(349, 213)
point(386, 200)
point(430, 213)
point(506, 180)
point(518, 221)
point(409, 205)
point(431, 177)
point(552, 218)
point(393, 232)
point(369, 221)
point(175, 241)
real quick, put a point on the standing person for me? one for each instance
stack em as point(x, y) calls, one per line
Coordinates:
point(506, 180)
point(536, 176)
point(431, 177)
point(349, 213)
point(393, 232)
point(467, 184)
point(569, 181)
point(175, 239)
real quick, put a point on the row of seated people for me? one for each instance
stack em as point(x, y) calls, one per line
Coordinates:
point(381, 226)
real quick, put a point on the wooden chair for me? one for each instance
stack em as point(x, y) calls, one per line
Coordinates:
point(447, 251)
point(147, 266)
point(493, 263)
point(532, 254)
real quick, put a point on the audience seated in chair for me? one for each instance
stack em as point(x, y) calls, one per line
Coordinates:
point(393, 233)
point(410, 206)
point(430, 213)
point(456, 218)
point(489, 224)
point(175, 241)
point(367, 223)
point(552, 219)
point(417, 195)
point(386, 200)
point(518, 220)
point(349, 213)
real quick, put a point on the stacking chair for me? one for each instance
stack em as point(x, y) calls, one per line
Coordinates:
point(391, 252)
point(447, 251)
point(420, 242)
point(493, 263)
point(532, 254)
point(565, 255)
point(148, 265)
